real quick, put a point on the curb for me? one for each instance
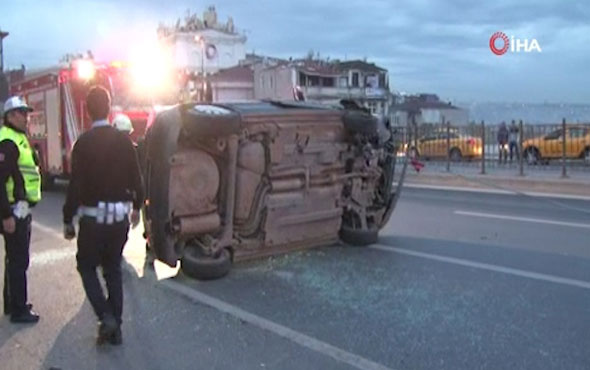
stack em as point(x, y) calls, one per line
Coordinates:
point(564, 188)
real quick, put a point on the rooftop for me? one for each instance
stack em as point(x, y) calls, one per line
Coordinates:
point(233, 74)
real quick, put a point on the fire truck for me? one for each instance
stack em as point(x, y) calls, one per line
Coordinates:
point(57, 96)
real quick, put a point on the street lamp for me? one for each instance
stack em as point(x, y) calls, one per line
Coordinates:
point(201, 40)
point(2, 36)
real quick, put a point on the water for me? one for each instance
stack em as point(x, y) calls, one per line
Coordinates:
point(493, 113)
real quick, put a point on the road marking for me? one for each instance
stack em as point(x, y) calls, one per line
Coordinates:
point(487, 266)
point(497, 191)
point(523, 219)
point(47, 229)
point(280, 330)
point(52, 256)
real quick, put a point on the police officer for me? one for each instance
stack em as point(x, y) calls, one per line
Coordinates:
point(105, 180)
point(21, 179)
point(122, 123)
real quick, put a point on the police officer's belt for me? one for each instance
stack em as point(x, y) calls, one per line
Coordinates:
point(107, 212)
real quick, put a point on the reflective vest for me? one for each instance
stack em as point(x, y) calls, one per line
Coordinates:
point(26, 165)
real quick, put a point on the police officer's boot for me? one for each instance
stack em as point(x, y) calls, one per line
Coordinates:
point(117, 338)
point(28, 316)
point(108, 326)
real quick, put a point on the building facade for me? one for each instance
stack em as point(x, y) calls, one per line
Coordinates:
point(203, 44)
point(325, 82)
point(232, 84)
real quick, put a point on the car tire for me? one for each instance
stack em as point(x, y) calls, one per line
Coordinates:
point(357, 237)
point(360, 122)
point(531, 156)
point(199, 266)
point(197, 124)
point(456, 155)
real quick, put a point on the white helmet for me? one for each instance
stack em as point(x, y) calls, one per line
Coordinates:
point(16, 102)
point(123, 123)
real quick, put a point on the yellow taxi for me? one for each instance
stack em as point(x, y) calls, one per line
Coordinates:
point(550, 146)
point(434, 145)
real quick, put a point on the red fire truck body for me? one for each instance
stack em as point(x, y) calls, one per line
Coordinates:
point(57, 96)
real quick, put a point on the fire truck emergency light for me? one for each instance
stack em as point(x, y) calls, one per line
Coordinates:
point(85, 69)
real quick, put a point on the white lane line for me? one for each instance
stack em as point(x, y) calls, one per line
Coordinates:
point(52, 256)
point(47, 229)
point(280, 330)
point(497, 191)
point(459, 188)
point(487, 266)
point(522, 219)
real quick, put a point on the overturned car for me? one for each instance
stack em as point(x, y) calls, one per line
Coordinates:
point(228, 182)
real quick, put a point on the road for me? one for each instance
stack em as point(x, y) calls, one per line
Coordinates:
point(458, 280)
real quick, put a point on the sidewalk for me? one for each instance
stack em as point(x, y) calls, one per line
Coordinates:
point(547, 180)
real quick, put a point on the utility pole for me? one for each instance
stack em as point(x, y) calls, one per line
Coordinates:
point(2, 36)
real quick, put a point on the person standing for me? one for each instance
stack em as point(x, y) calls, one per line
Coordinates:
point(105, 179)
point(513, 141)
point(502, 142)
point(21, 178)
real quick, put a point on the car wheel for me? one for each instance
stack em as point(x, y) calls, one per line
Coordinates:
point(456, 155)
point(360, 122)
point(197, 265)
point(532, 156)
point(357, 237)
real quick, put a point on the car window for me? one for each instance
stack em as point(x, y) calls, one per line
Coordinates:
point(553, 135)
point(429, 138)
point(577, 132)
point(443, 135)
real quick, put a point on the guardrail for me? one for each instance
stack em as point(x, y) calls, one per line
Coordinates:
point(513, 145)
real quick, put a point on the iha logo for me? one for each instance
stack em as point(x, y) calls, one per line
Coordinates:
point(500, 44)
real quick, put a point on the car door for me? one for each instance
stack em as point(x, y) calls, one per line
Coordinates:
point(426, 146)
point(576, 143)
point(551, 145)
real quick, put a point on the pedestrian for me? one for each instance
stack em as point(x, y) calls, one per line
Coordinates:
point(502, 142)
point(513, 141)
point(105, 180)
point(20, 176)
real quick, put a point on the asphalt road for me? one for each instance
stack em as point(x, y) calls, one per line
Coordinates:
point(458, 280)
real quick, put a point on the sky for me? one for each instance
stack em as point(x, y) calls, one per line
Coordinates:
point(427, 46)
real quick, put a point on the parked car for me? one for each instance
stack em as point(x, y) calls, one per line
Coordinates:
point(434, 145)
point(550, 146)
point(236, 181)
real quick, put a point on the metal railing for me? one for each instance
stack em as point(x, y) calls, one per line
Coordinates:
point(515, 146)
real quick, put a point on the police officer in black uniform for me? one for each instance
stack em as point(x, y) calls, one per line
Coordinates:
point(20, 189)
point(105, 185)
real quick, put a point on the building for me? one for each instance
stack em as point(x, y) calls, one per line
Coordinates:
point(232, 84)
point(324, 81)
point(427, 109)
point(203, 44)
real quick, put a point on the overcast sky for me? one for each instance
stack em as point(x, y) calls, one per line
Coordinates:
point(427, 46)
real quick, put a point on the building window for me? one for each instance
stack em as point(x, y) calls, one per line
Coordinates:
point(302, 79)
point(355, 79)
point(313, 80)
point(327, 81)
point(343, 81)
point(382, 83)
